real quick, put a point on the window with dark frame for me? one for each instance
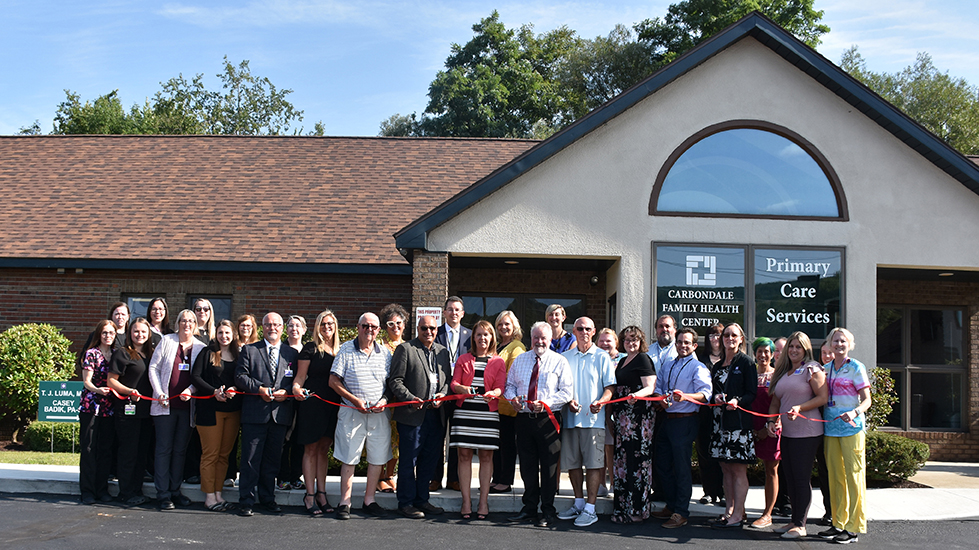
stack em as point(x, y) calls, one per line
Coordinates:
point(529, 308)
point(924, 349)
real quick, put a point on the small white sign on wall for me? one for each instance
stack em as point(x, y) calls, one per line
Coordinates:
point(431, 311)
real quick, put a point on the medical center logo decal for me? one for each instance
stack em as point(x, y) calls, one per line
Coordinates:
point(701, 270)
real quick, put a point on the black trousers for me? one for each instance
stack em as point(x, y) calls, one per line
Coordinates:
point(798, 454)
point(539, 448)
point(172, 435)
point(505, 459)
point(135, 443)
point(95, 437)
point(261, 452)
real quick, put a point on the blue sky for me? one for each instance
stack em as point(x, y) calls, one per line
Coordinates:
point(351, 63)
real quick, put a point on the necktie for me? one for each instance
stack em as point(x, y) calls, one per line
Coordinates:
point(452, 344)
point(274, 361)
point(532, 388)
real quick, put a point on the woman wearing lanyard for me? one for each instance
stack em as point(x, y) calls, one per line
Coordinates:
point(845, 439)
point(735, 385)
point(129, 378)
point(170, 375)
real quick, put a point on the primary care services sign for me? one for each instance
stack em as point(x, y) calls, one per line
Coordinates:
point(59, 401)
point(769, 291)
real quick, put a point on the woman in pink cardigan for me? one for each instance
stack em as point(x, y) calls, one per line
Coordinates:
point(480, 374)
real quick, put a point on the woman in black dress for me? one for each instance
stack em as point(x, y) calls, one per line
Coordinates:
point(158, 316)
point(735, 383)
point(633, 423)
point(316, 420)
point(219, 418)
point(129, 378)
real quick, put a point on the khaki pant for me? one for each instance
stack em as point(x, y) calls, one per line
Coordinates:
point(216, 444)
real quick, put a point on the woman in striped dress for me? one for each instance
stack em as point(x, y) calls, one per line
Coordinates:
point(476, 422)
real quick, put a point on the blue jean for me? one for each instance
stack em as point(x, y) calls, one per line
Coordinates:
point(674, 447)
point(419, 452)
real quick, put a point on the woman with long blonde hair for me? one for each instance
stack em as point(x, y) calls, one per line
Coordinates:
point(316, 420)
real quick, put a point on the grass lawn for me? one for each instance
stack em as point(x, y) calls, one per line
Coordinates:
point(33, 457)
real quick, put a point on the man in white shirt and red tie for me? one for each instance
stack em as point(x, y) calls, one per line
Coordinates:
point(540, 378)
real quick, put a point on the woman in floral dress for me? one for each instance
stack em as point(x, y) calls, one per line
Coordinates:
point(633, 422)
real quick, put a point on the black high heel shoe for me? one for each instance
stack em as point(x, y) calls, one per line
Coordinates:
point(325, 507)
point(313, 509)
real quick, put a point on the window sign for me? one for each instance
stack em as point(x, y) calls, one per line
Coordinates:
point(797, 290)
point(700, 285)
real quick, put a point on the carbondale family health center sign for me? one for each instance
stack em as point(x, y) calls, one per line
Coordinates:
point(769, 291)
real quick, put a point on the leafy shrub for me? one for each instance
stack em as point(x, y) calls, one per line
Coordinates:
point(882, 398)
point(37, 437)
point(30, 353)
point(891, 457)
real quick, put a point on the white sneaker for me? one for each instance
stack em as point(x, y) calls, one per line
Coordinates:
point(570, 513)
point(602, 491)
point(585, 518)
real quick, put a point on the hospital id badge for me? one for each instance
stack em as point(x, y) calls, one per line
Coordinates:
point(130, 409)
point(183, 366)
point(288, 373)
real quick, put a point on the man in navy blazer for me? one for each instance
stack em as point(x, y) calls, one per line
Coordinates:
point(420, 371)
point(456, 338)
point(265, 368)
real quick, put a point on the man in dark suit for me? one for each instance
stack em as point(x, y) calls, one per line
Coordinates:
point(420, 371)
point(456, 338)
point(266, 368)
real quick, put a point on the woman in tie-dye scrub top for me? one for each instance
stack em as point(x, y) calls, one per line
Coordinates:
point(845, 438)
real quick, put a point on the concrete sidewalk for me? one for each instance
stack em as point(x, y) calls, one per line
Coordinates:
point(953, 493)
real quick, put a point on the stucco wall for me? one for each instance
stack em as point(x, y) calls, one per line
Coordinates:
point(592, 198)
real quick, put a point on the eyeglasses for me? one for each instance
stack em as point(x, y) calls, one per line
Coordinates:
point(108, 333)
point(713, 335)
point(392, 324)
point(369, 327)
point(272, 325)
point(421, 328)
point(584, 329)
point(202, 308)
point(328, 324)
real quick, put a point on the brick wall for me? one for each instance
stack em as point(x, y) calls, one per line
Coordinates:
point(76, 302)
point(430, 280)
point(529, 281)
point(947, 446)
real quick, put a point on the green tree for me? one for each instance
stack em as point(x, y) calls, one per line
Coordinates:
point(945, 105)
point(500, 83)
point(105, 115)
point(29, 354)
point(517, 83)
point(246, 104)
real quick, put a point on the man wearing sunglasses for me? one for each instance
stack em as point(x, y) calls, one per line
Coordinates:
point(359, 375)
point(420, 372)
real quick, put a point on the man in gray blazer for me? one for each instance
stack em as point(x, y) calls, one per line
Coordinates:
point(420, 371)
point(265, 368)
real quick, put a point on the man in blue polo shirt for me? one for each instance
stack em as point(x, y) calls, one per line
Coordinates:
point(583, 436)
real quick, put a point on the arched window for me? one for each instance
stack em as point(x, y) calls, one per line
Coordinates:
point(748, 169)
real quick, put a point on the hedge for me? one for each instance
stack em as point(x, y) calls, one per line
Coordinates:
point(37, 436)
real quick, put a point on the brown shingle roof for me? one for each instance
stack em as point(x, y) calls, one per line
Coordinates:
point(254, 199)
